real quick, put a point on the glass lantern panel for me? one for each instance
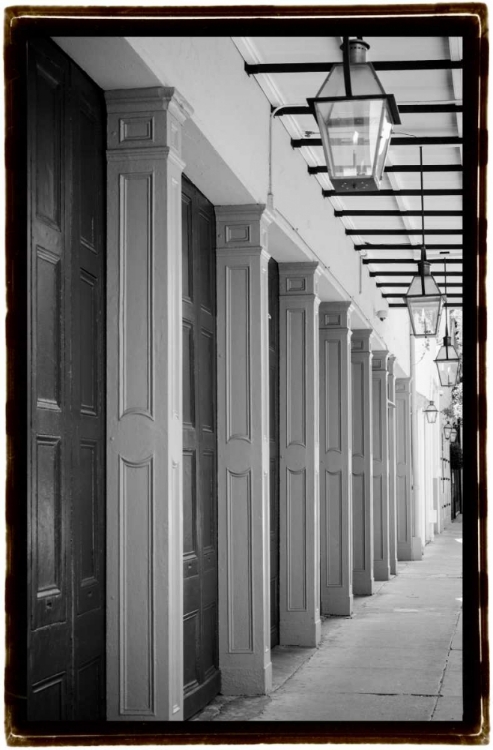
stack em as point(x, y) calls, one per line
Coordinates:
point(425, 314)
point(447, 372)
point(350, 131)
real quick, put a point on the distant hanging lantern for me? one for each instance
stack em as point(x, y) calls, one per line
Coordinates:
point(424, 299)
point(446, 431)
point(447, 360)
point(355, 118)
point(431, 413)
point(453, 435)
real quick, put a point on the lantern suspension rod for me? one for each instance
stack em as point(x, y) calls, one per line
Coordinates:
point(346, 68)
point(445, 274)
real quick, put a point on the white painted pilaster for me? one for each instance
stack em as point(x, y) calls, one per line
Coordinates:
point(144, 398)
point(392, 469)
point(381, 566)
point(243, 450)
point(336, 557)
point(362, 462)
point(299, 552)
point(403, 468)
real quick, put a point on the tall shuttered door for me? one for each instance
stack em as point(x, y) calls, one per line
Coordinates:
point(274, 448)
point(201, 675)
point(66, 543)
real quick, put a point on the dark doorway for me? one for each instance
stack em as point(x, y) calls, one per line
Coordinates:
point(66, 390)
point(274, 448)
point(201, 673)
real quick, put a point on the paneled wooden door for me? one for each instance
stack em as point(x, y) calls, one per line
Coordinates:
point(66, 261)
point(274, 448)
point(201, 673)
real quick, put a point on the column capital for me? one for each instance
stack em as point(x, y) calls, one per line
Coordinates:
point(146, 122)
point(403, 385)
point(298, 278)
point(360, 340)
point(242, 227)
point(156, 98)
point(335, 314)
point(380, 358)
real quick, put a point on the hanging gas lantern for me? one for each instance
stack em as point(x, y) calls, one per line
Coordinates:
point(431, 413)
point(453, 435)
point(424, 299)
point(355, 118)
point(446, 431)
point(447, 360)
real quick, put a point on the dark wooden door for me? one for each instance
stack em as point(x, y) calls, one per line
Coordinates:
point(274, 448)
point(201, 674)
point(66, 539)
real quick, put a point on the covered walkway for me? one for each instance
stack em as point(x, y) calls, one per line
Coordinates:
point(398, 658)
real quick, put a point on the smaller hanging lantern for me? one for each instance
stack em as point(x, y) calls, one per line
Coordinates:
point(446, 431)
point(447, 360)
point(355, 118)
point(447, 363)
point(453, 435)
point(424, 299)
point(431, 413)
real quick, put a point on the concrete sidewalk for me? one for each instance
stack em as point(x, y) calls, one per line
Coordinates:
point(398, 658)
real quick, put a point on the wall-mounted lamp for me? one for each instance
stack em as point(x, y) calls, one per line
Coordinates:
point(424, 300)
point(431, 413)
point(355, 117)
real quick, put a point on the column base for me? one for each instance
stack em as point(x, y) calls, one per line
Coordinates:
point(393, 567)
point(416, 548)
point(246, 681)
point(404, 551)
point(381, 571)
point(300, 633)
point(362, 584)
point(338, 604)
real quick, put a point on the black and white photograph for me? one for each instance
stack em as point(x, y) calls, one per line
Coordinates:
point(245, 374)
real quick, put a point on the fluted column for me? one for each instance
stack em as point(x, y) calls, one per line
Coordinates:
point(362, 467)
point(381, 566)
point(243, 450)
point(392, 470)
point(403, 468)
point(299, 553)
point(335, 459)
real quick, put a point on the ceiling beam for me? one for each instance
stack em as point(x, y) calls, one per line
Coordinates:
point(386, 193)
point(396, 213)
point(431, 246)
point(438, 140)
point(367, 261)
point(406, 285)
point(419, 109)
point(403, 231)
point(389, 296)
point(447, 304)
point(326, 67)
point(413, 273)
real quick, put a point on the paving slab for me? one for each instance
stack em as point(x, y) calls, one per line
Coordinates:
point(351, 708)
point(448, 709)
